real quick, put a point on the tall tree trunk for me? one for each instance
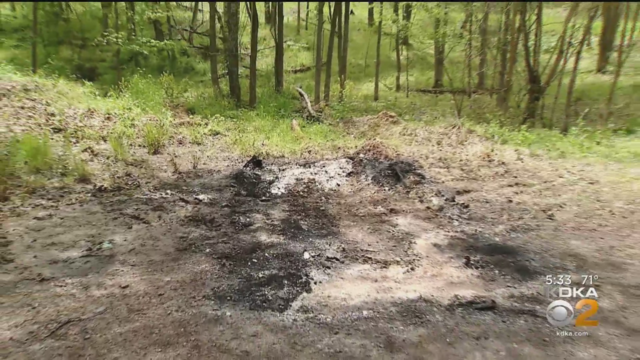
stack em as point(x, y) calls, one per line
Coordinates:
point(339, 32)
point(130, 8)
point(396, 12)
point(610, 20)
point(116, 23)
point(194, 18)
point(213, 47)
point(439, 43)
point(106, 10)
point(13, 7)
point(532, 62)
point(318, 70)
point(574, 73)
point(253, 58)
point(407, 9)
point(371, 18)
point(376, 85)
point(345, 49)
point(279, 47)
point(565, 61)
point(469, 56)
point(306, 19)
point(514, 40)
point(274, 15)
point(299, 20)
point(484, 45)
point(34, 38)
point(337, 14)
point(504, 51)
point(157, 25)
point(621, 60)
point(168, 19)
point(232, 22)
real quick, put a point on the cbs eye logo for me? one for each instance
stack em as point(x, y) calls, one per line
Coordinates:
point(561, 313)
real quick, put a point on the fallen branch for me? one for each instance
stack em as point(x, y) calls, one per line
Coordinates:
point(438, 91)
point(304, 98)
point(76, 319)
point(302, 69)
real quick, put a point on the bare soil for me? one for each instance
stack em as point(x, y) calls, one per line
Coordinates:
point(413, 253)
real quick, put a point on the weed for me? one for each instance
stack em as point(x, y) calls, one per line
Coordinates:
point(119, 147)
point(155, 137)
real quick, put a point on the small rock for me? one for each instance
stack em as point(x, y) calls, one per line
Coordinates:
point(545, 339)
point(87, 337)
point(161, 293)
point(124, 286)
point(43, 215)
point(306, 255)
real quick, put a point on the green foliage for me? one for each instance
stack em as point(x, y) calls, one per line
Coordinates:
point(119, 147)
point(155, 137)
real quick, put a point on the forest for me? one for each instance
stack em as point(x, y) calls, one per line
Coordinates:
point(316, 179)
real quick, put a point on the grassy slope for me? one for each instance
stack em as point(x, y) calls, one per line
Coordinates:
point(267, 128)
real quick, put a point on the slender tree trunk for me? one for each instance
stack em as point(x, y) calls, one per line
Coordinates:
point(213, 47)
point(168, 19)
point(439, 43)
point(371, 18)
point(299, 20)
point(232, 21)
point(130, 8)
point(610, 20)
point(396, 12)
point(13, 7)
point(565, 61)
point(157, 25)
point(484, 45)
point(407, 9)
point(194, 18)
point(279, 46)
point(504, 51)
point(469, 47)
point(514, 40)
point(337, 14)
point(116, 19)
point(306, 19)
point(532, 62)
point(376, 86)
point(274, 15)
point(318, 70)
point(339, 32)
point(621, 60)
point(34, 38)
point(106, 10)
point(345, 49)
point(574, 73)
point(253, 59)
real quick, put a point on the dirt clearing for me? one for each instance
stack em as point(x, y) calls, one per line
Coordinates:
point(377, 255)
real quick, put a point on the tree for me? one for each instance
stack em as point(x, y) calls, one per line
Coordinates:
point(232, 21)
point(574, 73)
point(213, 47)
point(514, 40)
point(342, 71)
point(371, 18)
point(253, 58)
point(376, 84)
point(469, 55)
point(396, 13)
point(157, 25)
point(169, 27)
point(504, 51)
point(440, 40)
point(337, 14)
point(279, 65)
point(130, 8)
point(610, 21)
point(622, 59)
point(106, 10)
point(34, 38)
point(407, 9)
point(298, 27)
point(318, 72)
point(306, 18)
point(484, 44)
point(116, 21)
point(194, 18)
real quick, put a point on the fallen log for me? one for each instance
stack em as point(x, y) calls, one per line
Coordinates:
point(438, 91)
point(302, 69)
point(306, 103)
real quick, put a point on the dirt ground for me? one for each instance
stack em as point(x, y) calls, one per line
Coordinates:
point(435, 250)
